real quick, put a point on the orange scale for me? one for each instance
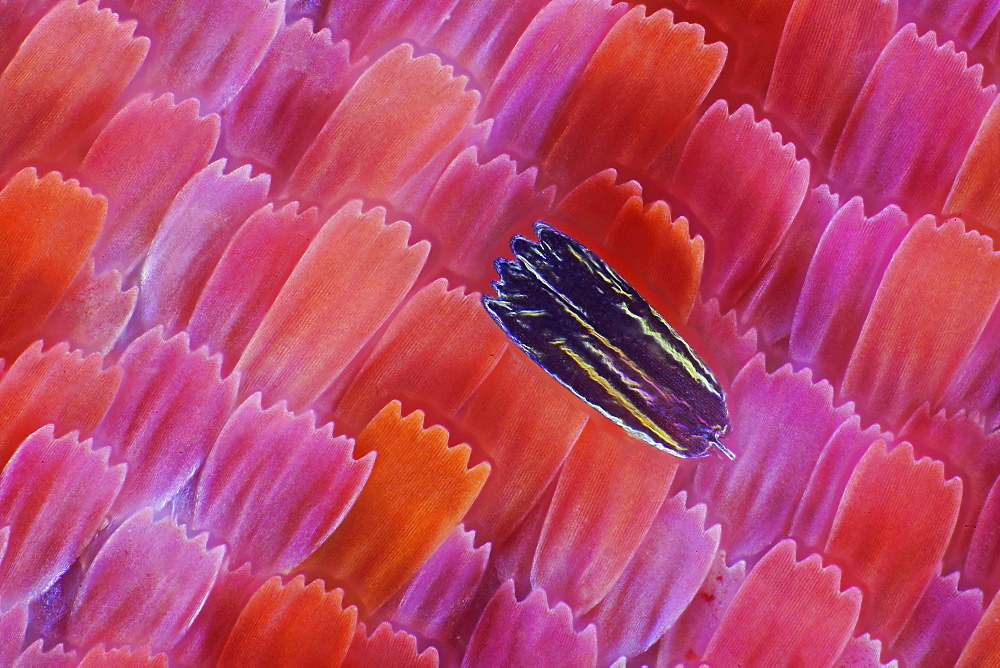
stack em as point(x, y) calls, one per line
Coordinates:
point(654, 74)
point(891, 532)
point(418, 491)
point(787, 613)
point(524, 423)
point(594, 203)
point(385, 648)
point(291, 624)
point(47, 228)
point(940, 280)
point(661, 249)
point(597, 521)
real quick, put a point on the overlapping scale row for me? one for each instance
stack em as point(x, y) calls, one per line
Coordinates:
point(524, 423)
point(191, 239)
point(144, 586)
point(437, 599)
point(659, 583)
point(276, 279)
point(593, 491)
point(248, 277)
point(93, 312)
point(941, 623)
point(56, 387)
point(839, 286)
point(800, 91)
point(755, 496)
point(538, 74)
point(913, 121)
point(473, 207)
point(513, 632)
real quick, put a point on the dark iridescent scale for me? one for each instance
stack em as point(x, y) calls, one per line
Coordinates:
point(590, 329)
